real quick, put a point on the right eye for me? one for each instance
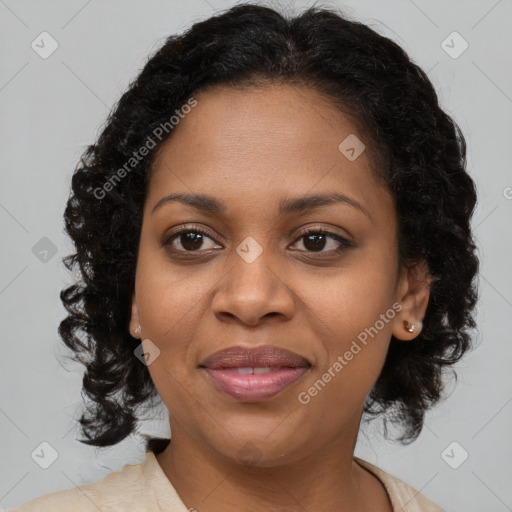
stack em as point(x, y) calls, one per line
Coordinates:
point(190, 240)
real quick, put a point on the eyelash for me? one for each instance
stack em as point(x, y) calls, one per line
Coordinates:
point(344, 243)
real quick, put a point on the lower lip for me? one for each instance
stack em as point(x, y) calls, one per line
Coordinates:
point(254, 387)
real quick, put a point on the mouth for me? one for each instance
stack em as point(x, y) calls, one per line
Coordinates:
point(254, 384)
point(255, 374)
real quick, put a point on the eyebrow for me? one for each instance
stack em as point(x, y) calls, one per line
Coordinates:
point(209, 204)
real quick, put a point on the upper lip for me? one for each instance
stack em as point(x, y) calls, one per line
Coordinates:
point(262, 356)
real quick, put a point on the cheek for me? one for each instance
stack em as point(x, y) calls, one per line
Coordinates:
point(354, 351)
point(352, 315)
point(172, 306)
point(352, 298)
point(169, 305)
point(166, 293)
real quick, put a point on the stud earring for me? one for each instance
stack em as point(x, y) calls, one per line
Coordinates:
point(137, 330)
point(408, 326)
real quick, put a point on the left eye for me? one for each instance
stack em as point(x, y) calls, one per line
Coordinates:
point(316, 240)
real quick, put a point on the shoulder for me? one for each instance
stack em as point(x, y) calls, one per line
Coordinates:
point(403, 497)
point(121, 487)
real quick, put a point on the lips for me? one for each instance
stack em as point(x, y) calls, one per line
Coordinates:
point(255, 374)
point(266, 356)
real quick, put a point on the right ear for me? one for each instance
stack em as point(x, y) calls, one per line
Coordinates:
point(134, 324)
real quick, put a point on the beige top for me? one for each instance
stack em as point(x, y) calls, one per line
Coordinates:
point(144, 487)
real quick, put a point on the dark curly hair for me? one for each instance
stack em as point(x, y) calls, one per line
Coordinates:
point(418, 151)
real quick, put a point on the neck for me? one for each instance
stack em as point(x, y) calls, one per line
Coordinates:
point(327, 480)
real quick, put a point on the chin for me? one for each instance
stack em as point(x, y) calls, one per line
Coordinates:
point(257, 448)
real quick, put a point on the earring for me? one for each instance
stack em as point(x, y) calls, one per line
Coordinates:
point(137, 330)
point(408, 326)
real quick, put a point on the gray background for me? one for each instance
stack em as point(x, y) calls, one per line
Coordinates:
point(52, 108)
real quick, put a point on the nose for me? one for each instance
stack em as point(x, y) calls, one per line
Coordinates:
point(252, 291)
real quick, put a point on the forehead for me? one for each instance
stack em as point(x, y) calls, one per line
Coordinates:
point(272, 122)
point(261, 144)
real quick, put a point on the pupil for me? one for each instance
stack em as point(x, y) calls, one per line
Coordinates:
point(315, 244)
point(193, 239)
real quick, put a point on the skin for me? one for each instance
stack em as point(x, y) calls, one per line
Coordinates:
point(251, 149)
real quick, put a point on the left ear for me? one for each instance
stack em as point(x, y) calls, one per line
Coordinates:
point(413, 293)
point(134, 323)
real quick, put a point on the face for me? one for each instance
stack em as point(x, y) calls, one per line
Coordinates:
point(254, 266)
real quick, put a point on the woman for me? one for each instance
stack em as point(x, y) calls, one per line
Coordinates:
point(273, 236)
